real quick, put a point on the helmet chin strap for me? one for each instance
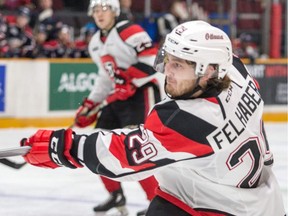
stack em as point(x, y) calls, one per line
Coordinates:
point(187, 95)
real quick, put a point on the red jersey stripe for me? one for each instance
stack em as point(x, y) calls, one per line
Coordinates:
point(177, 202)
point(148, 52)
point(173, 141)
point(212, 100)
point(136, 73)
point(131, 30)
point(180, 204)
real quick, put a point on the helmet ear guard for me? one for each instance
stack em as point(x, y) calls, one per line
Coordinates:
point(114, 4)
point(199, 42)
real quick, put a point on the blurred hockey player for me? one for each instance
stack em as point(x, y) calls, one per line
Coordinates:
point(3, 30)
point(205, 144)
point(18, 36)
point(47, 36)
point(80, 49)
point(126, 13)
point(249, 47)
point(177, 13)
point(124, 54)
point(43, 11)
point(65, 40)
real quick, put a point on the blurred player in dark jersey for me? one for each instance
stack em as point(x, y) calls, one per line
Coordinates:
point(3, 29)
point(80, 49)
point(47, 38)
point(18, 39)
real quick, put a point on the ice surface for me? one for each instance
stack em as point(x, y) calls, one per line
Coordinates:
point(32, 191)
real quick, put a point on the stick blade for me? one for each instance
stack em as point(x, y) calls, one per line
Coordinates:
point(16, 151)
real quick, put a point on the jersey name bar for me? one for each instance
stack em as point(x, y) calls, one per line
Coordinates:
point(245, 109)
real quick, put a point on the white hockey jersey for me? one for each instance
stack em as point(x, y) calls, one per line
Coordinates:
point(126, 47)
point(209, 154)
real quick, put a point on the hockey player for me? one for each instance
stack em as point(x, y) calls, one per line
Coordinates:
point(47, 37)
point(124, 54)
point(80, 49)
point(18, 38)
point(3, 42)
point(205, 144)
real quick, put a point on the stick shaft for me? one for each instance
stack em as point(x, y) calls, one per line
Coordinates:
point(16, 151)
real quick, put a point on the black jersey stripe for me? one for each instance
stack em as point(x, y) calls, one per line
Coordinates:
point(146, 69)
point(90, 157)
point(123, 27)
point(184, 123)
point(221, 107)
point(237, 63)
point(209, 211)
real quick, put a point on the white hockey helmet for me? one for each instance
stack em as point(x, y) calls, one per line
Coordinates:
point(199, 42)
point(114, 4)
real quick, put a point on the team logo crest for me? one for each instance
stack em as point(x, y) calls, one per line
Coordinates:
point(109, 65)
point(180, 30)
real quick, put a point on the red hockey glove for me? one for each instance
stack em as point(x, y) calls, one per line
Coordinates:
point(124, 88)
point(51, 149)
point(87, 113)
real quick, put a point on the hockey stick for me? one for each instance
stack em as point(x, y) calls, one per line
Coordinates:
point(22, 150)
point(12, 164)
point(16, 151)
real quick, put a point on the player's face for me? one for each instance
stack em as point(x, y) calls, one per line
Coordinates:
point(104, 17)
point(22, 21)
point(125, 3)
point(180, 76)
point(45, 4)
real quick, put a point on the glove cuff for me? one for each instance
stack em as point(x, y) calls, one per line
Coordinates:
point(59, 148)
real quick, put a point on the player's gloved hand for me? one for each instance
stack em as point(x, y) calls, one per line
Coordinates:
point(86, 113)
point(124, 88)
point(52, 149)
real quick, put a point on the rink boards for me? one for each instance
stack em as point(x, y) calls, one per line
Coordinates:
point(46, 93)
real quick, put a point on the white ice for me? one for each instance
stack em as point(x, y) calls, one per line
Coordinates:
point(32, 191)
